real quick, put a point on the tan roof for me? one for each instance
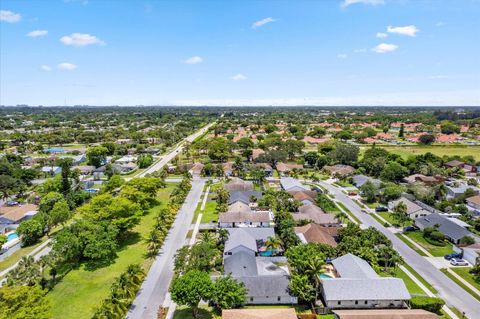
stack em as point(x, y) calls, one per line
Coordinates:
point(283, 167)
point(241, 217)
point(315, 214)
point(288, 313)
point(314, 233)
point(256, 152)
point(238, 207)
point(15, 213)
point(303, 196)
point(474, 199)
point(385, 314)
point(197, 168)
point(238, 184)
point(339, 169)
point(310, 193)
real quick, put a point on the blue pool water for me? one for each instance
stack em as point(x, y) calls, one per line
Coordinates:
point(267, 253)
point(325, 276)
point(11, 236)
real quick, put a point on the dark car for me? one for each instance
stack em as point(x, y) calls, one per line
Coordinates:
point(381, 209)
point(454, 255)
point(409, 228)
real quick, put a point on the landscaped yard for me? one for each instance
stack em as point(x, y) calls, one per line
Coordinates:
point(465, 274)
point(439, 150)
point(391, 219)
point(184, 312)
point(81, 290)
point(437, 251)
point(412, 287)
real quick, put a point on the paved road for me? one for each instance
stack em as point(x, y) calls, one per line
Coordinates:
point(155, 287)
point(167, 158)
point(448, 290)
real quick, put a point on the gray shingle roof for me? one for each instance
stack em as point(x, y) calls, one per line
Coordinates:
point(351, 266)
point(244, 217)
point(290, 183)
point(446, 226)
point(364, 289)
point(247, 237)
point(243, 196)
point(262, 286)
point(240, 264)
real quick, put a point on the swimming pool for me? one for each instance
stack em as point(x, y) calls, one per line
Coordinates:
point(325, 276)
point(11, 237)
point(266, 253)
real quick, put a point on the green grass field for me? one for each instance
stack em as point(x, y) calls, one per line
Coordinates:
point(439, 150)
point(390, 218)
point(463, 272)
point(412, 287)
point(81, 290)
point(437, 251)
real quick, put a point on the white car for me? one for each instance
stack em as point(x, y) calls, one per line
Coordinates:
point(458, 262)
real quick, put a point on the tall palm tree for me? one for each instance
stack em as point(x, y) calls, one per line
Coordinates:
point(313, 268)
point(273, 243)
point(222, 235)
point(26, 273)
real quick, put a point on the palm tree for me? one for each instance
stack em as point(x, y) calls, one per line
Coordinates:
point(26, 273)
point(313, 268)
point(273, 243)
point(207, 238)
point(222, 235)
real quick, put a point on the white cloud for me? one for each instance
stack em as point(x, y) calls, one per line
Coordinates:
point(37, 33)
point(9, 16)
point(381, 35)
point(347, 3)
point(409, 30)
point(342, 56)
point(67, 66)
point(47, 68)
point(263, 22)
point(385, 48)
point(239, 77)
point(80, 40)
point(193, 60)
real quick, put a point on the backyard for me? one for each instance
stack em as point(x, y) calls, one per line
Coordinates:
point(83, 289)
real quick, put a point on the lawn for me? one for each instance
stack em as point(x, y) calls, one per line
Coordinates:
point(16, 256)
point(437, 251)
point(409, 244)
point(209, 213)
point(439, 150)
point(420, 278)
point(464, 273)
point(390, 218)
point(184, 312)
point(412, 287)
point(349, 213)
point(81, 290)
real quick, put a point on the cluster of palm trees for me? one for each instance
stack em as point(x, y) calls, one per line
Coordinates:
point(122, 293)
point(29, 272)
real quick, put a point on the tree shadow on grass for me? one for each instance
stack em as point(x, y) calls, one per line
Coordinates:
point(186, 313)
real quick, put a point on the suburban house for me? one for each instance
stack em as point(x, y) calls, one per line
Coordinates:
point(414, 211)
point(339, 170)
point(84, 169)
point(357, 285)
point(227, 169)
point(284, 168)
point(247, 239)
point(238, 184)
point(244, 196)
point(124, 168)
point(12, 216)
point(267, 169)
point(266, 278)
point(245, 219)
point(314, 233)
point(256, 152)
point(469, 169)
point(315, 214)
point(359, 179)
point(427, 180)
point(196, 169)
point(452, 231)
point(474, 203)
point(304, 197)
point(457, 189)
point(384, 314)
point(291, 184)
point(275, 313)
point(471, 253)
point(51, 170)
point(126, 159)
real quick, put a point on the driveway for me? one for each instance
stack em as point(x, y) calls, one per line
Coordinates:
point(448, 290)
point(155, 287)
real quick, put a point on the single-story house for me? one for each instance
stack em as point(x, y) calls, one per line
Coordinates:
point(427, 180)
point(256, 152)
point(315, 214)
point(314, 233)
point(76, 160)
point(51, 170)
point(304, 198)
point(238, 184)
point(239, 207)
point(243, 196)
point(245, 219)
point(227, 169)
point(84, 169)
point(339, 170)
point(124, 168)
point(126, 159)
point(384, 314)
point(359, 179)
point(358, 286)
point(291, 184)
point(471, 253)
point(457, 189)
point(452, 231)
point(414, 211)
point(469, 169)
point(474, 202)
point(267, 169)
point(12, 215)
point(274, 313)
point(248, 239)
point(284, 168)
point(196, 169)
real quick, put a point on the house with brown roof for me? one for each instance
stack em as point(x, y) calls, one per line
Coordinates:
point(384, 314)
point(11, 215)
point(284, 168)
point(474, 202)
point(304, 197)
point(315, 214)
point(227, 168)
point(196, 169)
point(339, 170)
point(427, 180)
point(314, 233)
point(258, 313)
point(238, 184)
point(256, 152)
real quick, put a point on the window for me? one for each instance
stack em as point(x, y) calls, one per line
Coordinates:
point(356, 302)
point(251, 298)
point(339, 303)
point(366, 302)
point(279, 298)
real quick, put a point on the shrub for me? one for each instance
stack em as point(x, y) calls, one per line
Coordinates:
point(432, 304)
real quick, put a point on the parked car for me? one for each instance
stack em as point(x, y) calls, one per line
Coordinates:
point(381, 209)
point(364, 211)
point(352, 194)
point(454, 255)
point(458, 262)
point(409, 228)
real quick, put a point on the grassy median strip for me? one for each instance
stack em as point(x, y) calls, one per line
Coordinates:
point(420, 278)
point(348, 212)
point(461, 284)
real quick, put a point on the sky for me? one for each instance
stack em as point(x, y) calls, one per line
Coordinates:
point(235, 53)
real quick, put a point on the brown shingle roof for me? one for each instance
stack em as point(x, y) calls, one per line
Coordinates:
point(15, 213)
point(314, 233)
point(273, 313)
point(385, 314)
point(241, 217)
point(474, 199)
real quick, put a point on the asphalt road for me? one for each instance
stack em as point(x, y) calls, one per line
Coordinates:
point(448, 290)
point(155, 287)
point(167, 158)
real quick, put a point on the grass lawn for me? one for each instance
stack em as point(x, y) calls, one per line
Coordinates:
point(437, 251)
point(209, 212)
point(464, 273)
point(390, 218)
point(439, 150)
point(409, 244)
point(375, 216)
point(412, 287)
point(184, 312)
point(420, 278)
point(16, 256)
point(81, 290)
point(349, 212)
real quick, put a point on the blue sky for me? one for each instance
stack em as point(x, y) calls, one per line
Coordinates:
point(331, 52)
